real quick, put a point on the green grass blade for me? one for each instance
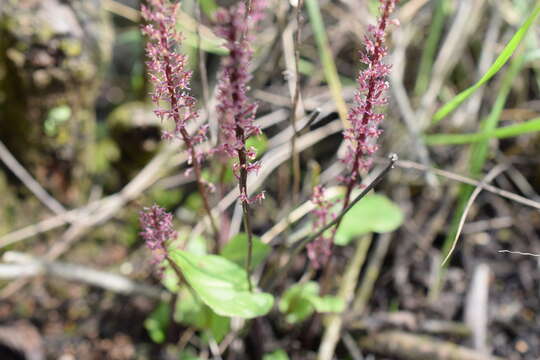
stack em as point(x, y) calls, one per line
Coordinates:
point(428, 54)
point(499, 133)
point(479, 152)
point(507, 52)
point(327, 60)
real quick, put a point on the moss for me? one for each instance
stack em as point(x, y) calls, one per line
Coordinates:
point(137, 132)
point(71, 47)
point(49, 66)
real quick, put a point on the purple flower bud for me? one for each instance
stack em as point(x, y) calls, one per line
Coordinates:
point(321, 248)
point(157, 230)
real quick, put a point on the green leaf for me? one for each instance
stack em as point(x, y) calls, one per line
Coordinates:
point(190, 310)
point(507, 52)
point(479, 155)
point(301, 300)
point(327, 304)
point(294, 303)
point(374, 213)
point(158, 322)
point(276, 355)
point(221, 284)
point(237, 248)
point(529, 126)
point(188, 355)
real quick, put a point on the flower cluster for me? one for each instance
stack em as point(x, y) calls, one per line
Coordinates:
point(363, 116)
point(236, 113)
point(362, 135)
point(321, 248)
point(168, 73)
point(157, 230)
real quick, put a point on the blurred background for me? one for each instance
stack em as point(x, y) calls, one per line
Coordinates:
point(80, 154)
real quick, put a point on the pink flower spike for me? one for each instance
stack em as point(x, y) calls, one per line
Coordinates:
point(235, 112)
point(169, 75)
point(372, 84)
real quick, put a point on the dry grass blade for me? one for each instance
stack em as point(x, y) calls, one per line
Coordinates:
point(490, 176)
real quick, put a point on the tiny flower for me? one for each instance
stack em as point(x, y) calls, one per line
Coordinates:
point(321, 248)
point(157, 230)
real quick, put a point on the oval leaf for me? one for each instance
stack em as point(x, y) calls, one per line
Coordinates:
point(222, 285)
point(294, 303)
point(374, 213)
point(301, 300)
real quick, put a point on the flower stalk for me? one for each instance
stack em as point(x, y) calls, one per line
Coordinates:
point(171, 85)
point(236, 113)
point(364, 118)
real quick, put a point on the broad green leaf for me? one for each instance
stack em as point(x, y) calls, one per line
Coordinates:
point(294, 303)
point(499, 133)
point(237, 248)
point(507, 52)
point(158, 322)
point(301, 300)
point(276, 355)
point(374, 213)
point(191, 311)
point(219, 326)
point(221, 284)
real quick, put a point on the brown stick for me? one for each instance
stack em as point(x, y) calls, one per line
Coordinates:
point(405, 346)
